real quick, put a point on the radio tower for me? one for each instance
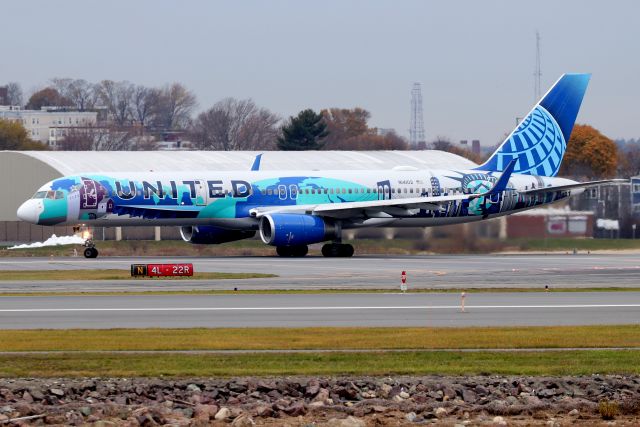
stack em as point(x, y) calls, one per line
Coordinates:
point(416, 130)
point(537, 74)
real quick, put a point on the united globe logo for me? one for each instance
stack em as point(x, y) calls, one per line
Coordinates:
point(538, 143)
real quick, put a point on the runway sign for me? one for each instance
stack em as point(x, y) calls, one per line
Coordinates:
point(161, 270)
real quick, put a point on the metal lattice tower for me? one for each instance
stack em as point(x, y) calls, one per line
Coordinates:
point(537, 74)
point(416, 129)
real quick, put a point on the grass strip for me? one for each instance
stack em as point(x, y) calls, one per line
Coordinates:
point(320, 338)
point(306, 291)
point(112, 274)
point(279, 364)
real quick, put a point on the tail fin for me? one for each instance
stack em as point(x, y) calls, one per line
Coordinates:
point(539, 142)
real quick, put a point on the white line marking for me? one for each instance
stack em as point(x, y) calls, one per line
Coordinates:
point(415, 307)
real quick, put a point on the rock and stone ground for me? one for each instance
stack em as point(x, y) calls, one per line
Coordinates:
point(340, 402)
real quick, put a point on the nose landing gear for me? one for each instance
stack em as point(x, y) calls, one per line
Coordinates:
point(90, 250)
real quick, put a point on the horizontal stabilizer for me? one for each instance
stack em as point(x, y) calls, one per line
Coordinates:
point(587, 184)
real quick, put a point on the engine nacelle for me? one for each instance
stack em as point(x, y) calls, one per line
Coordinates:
point(208, 234)
point(294, 229)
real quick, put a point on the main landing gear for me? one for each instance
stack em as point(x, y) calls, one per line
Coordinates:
point(292, 251)
point(90, 250)
point(337, 250)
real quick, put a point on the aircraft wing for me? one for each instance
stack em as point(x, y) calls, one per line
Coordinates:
point(374, 208)
point(587, 184)
point(352, 209)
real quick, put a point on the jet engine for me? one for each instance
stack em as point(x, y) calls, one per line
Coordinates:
point(294, 229)
point(208, 234)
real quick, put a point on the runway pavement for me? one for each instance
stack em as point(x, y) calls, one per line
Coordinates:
point(430, 272)
point(300, 310)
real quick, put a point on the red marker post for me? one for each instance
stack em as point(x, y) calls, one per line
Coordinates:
point(403, 281)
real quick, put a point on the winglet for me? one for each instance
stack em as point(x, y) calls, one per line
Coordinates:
point(501, 183)
point(256, 163)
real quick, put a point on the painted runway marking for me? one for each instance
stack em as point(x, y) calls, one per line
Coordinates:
point(319, 308)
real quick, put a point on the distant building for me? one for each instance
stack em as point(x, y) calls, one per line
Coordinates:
point(49, 124)
point(550, 223)
point(4, 94)
point(385, 131)
point(612, 202)
point(475, 146)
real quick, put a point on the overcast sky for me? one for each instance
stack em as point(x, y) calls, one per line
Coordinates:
point(475, 59)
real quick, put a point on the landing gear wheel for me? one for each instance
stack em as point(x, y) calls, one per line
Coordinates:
point(91, 253)
point(337, 250)
point(292, 251)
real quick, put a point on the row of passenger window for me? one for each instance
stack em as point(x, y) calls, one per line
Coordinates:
point(282, 190)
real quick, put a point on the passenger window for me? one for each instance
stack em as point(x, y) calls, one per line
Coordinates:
point(411, 190)
point(326, 191)
point(350, 191)
point(368, 190)
point(269, 192)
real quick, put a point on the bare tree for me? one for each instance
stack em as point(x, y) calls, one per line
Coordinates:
point(14, 94)
point(117, 98)
point(93, 138)
point(173, 106)
point(233, 124)
point(143, 101)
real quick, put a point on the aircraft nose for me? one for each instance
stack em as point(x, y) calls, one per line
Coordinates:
point(28, 211)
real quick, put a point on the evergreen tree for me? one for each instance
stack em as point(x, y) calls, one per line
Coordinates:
point(306, 131)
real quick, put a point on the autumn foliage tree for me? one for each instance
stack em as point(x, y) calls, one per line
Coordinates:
point(13, 136)
point(349, 130)
point(47, 97)
point(589, 154)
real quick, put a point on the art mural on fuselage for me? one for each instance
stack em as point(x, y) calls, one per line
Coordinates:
point(94, 197)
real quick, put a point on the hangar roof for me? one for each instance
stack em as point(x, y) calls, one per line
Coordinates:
point(73, 162)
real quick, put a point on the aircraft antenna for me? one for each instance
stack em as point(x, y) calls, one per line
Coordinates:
point(537, 74)
point(416, 129)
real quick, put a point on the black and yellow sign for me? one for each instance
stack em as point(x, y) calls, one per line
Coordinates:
point(138, 270)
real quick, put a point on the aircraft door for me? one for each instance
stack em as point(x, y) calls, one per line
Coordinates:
point(201, 193)
point(73, 205)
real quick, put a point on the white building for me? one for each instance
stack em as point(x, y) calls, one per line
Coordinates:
point(48, 124)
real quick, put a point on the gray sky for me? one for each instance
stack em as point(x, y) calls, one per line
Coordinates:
point(475, 59)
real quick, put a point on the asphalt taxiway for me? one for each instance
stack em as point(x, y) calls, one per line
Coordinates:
point(302, 310)
point(424, 272)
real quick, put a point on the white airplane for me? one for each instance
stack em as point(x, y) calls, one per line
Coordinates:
point(292, 209)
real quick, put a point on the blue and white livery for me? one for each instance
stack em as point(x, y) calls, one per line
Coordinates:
point(294, 208)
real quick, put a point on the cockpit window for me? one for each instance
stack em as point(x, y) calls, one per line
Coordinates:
point(51, 195)
point(39, 195)
point(59, 195)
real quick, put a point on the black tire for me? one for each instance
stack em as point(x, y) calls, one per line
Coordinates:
point(346, 251)
point(91, 253)
point(292, 251)
point(333, 250)
point(283, 250)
